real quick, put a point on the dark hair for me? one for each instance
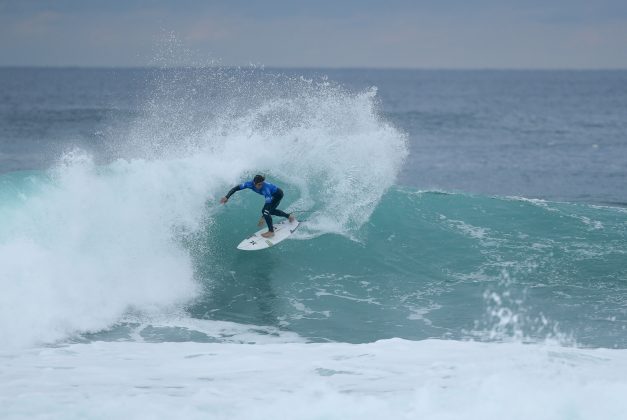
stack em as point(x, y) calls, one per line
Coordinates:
point(258, 178)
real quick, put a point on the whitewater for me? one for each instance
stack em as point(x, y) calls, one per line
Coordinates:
point(123, 294)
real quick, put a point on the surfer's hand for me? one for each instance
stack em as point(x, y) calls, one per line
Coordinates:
point(260, 222)
point(223, 200)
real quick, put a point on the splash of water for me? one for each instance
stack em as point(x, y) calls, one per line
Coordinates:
point(90, 242)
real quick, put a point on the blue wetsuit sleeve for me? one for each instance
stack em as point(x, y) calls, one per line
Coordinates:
point(233, 191)
point(239, 187)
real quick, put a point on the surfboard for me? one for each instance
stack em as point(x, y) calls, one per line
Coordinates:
point(281, 232)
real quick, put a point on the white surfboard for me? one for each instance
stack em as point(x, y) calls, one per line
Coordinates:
point(281, 232)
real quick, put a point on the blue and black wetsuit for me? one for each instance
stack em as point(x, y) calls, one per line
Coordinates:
point(273, 196)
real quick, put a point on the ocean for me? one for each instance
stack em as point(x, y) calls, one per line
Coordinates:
point(463, 251)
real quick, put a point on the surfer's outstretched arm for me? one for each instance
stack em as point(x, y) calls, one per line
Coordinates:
point(230, 193)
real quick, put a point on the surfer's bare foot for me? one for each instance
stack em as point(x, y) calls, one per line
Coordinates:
point(267, 234)
point(291, 218)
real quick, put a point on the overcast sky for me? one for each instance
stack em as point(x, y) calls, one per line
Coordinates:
point(323, 33)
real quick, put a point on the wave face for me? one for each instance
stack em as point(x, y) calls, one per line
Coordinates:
point(84, 247)
point(432, 264)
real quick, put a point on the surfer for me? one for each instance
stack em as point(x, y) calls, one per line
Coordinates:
point(273, 196)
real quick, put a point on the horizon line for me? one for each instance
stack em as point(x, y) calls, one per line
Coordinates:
point(273, 67)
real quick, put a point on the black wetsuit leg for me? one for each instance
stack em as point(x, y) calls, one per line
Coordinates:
point(270, 209)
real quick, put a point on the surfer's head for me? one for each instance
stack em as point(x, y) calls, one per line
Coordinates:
point(257, 180)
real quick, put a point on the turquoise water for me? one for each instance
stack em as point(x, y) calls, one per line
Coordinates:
point(426, 264)
point(435, 265)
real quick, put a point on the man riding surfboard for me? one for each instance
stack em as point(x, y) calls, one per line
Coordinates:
point(273, 196)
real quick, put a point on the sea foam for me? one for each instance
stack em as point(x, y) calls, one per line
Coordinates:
point(385, 379)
